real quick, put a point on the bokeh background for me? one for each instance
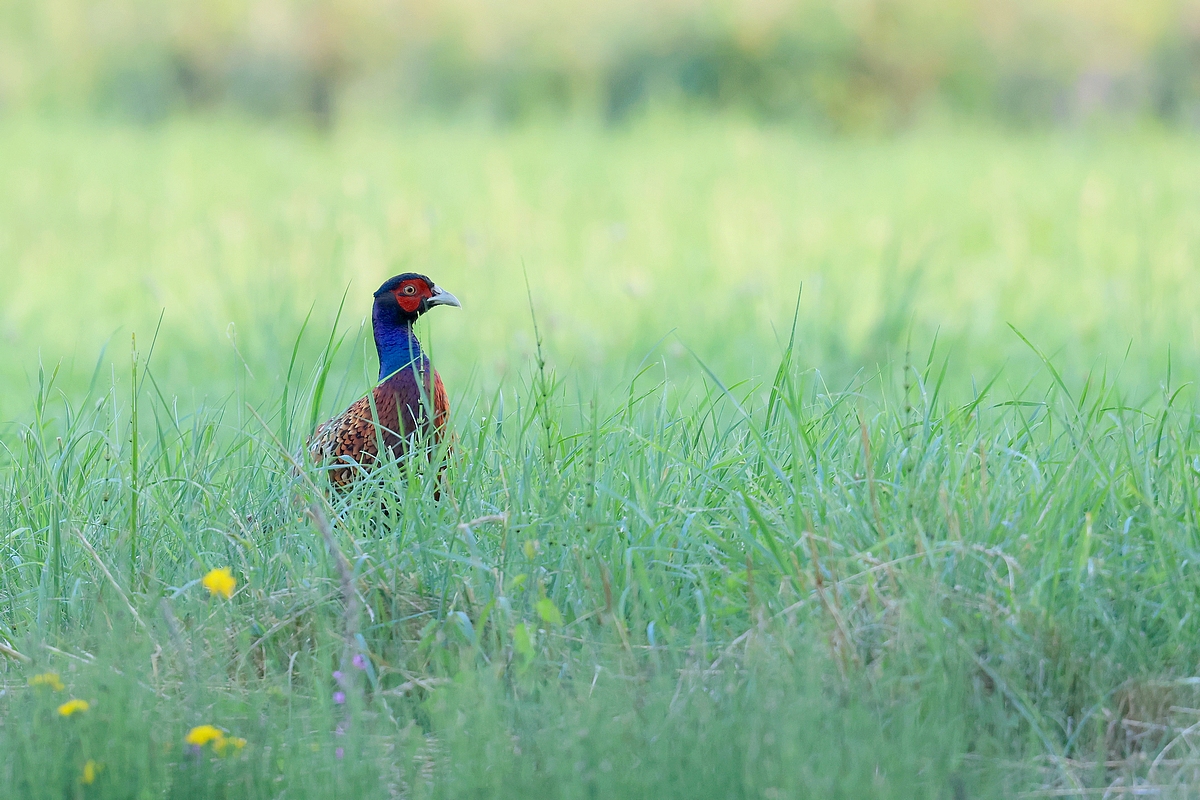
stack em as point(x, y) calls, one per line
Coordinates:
point(667, 174)
point(845, 65)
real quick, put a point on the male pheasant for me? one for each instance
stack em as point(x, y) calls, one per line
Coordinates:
point(398, 409)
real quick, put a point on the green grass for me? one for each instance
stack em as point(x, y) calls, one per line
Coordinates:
point(695, 542)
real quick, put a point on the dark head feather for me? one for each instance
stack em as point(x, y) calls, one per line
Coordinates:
point(392, 283)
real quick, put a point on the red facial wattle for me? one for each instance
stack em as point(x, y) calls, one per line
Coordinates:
point(410, 294)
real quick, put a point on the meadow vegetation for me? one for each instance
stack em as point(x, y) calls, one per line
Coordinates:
point(784, 466)
point(844, 65)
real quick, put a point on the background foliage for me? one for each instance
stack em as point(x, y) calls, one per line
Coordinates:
point(840, 64)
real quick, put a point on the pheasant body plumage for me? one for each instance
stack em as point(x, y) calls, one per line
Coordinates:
point(408, 403)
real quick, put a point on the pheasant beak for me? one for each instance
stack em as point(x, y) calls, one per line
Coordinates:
point(442, 298)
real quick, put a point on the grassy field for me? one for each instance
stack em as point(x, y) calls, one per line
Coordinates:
point(930, 533)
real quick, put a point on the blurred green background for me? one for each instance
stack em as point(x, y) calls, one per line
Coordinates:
point(667, 174)
point(846, 65)
point(637, 245)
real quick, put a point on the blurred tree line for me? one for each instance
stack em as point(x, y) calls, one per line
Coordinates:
point(842, 64)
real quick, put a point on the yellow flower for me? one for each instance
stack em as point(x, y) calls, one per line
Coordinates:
point(50, 679)
point(220, 581)
point(203, 734)
point(228, 745)
point(72, 706)
point(211, 734)
point(89, 772)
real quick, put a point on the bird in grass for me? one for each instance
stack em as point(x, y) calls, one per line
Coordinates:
point(409, 402)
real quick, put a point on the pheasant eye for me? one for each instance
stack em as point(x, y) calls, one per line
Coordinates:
point(410, 289)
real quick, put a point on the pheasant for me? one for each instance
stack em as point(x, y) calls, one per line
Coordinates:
point(398, 408)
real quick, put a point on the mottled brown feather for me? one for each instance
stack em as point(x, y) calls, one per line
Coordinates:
point(352, 438)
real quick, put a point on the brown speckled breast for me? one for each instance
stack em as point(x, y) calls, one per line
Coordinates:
point(353, 437)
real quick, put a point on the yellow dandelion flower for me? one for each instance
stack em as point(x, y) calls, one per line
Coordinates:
point(89, 772)
point(229, 745)
point(220, 582)
point(50, 679)
point(203, 734)
point(73, 706)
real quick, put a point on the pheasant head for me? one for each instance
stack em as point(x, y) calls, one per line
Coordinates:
point(398, 303)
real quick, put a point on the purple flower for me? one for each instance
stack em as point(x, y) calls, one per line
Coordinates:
point(359, 662)
point(337, 675)
point(340, 753)
point(339, 697)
